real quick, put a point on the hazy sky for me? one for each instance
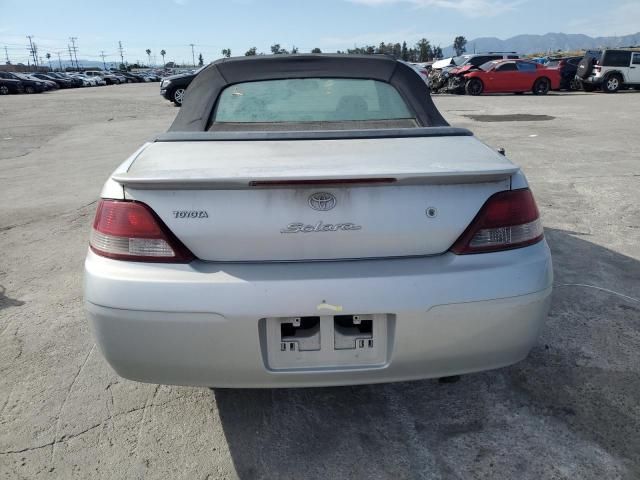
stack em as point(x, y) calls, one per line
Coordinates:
point(328, 24)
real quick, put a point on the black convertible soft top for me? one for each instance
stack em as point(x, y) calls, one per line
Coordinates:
point(205, 89)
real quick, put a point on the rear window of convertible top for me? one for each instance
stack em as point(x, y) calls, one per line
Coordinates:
point(311, 104)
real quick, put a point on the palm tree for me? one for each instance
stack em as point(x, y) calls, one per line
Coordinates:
point(48, 55)
point(149, 55)
point(163, 53)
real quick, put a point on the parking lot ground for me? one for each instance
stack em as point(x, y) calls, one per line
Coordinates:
point(570, 410)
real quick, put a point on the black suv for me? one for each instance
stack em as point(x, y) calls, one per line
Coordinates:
point(568, 67)
point(173, 88)
point(611, 70)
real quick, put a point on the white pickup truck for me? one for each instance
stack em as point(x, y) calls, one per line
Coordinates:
point(313, 220)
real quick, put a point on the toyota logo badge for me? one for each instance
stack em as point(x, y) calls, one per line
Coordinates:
point(322, 201)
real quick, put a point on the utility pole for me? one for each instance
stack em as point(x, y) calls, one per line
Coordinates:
point(59, 61)
point(103, 55)
point(6, 54)
point(193, 54)
point(33, 51)
point(70, 55)
point(121, 53)
point(75, 51)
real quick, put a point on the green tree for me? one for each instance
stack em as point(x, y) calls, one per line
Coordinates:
point(251, 52)
point(148, 55)
point(423, 51)
point(277, 50)
point(226, 52)
point(437, 52)
point(200, 60)
point(294, 49)
point(48, 55)
point(163, 53)
point(316, 50)
point(396, 50)
point(460, 45)
point(404, 52)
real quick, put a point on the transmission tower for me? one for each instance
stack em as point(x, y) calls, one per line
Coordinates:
point(74, 49)
point(33, 51)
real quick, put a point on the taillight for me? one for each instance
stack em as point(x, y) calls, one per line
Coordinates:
point(127, 230)
point(507, 220)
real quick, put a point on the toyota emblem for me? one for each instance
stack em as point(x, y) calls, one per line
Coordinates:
point(322, 201)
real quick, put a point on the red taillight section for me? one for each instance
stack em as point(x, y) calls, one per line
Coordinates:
point(507, 220)
point(126, 230)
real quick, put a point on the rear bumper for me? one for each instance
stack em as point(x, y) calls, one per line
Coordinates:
point(200, 324)
point(593, 80)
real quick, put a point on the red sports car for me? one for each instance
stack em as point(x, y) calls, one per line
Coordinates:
point(511, 76)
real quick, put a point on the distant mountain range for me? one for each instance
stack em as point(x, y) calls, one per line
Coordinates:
point(550, 42)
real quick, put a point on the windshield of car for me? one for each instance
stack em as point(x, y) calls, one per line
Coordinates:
point(487, 66)
point(324, 102)
point(461, 59)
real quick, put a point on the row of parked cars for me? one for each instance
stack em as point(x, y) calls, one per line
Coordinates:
point(37, 82)
point(505, 72)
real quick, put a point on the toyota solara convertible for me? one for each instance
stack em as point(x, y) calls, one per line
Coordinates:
point(313, 220)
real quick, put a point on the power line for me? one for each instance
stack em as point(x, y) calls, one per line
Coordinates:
point(59, 61)
point(6, 54)
point(103, 55)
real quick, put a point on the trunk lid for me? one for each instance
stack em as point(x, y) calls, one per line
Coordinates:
point(412, 196)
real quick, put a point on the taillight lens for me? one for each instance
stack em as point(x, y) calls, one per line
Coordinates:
point(127, 230)
point(507, 220)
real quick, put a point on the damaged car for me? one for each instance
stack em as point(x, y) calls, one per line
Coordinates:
point(510, 76)
point(444, 71)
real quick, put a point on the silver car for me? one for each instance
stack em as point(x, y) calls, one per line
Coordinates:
point(313, 220)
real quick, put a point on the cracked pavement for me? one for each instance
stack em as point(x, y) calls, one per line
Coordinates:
point(570, 410)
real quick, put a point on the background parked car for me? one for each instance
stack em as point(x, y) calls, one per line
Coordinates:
point(512, 76)
point(48, 84)
point(132, 78)
point(568, 67)
point(110, 79)
point(62, 83)
point(610, 71)
point(444, 79)
point(121, 78)
point(29, 85)
point(173, 88)
point(9, 85)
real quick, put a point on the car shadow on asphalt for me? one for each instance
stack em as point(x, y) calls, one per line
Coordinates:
point(570, 407)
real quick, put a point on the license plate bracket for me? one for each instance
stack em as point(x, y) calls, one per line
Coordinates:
point(324, 342)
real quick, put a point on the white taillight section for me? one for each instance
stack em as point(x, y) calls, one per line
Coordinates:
point(507, 220)
point(126, 230)
point(514, 235)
